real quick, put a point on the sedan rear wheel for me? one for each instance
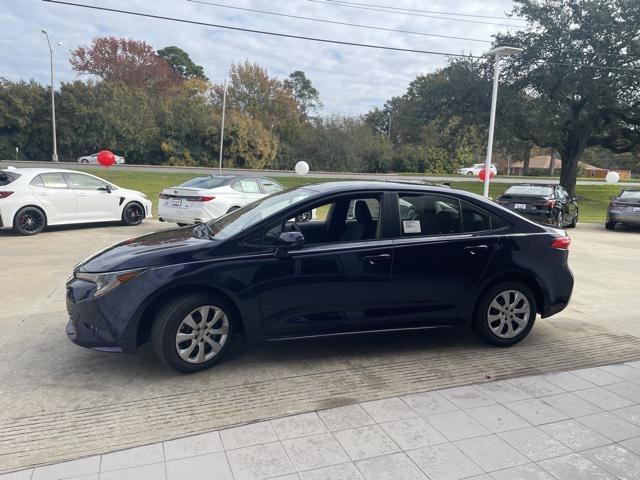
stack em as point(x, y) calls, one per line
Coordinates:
point(192, 332)
point(29, 221)
point(505, 315)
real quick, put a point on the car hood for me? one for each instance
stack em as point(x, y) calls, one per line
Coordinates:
point(167, 247)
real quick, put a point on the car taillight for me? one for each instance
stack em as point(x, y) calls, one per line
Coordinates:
point(547, 204)
point(201, 199)
point(561, 243)
point(5, 194)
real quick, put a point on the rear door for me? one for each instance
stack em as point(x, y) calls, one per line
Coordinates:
point(441, 250)
point(95, 202)
point(58, 200)
point(251, 190)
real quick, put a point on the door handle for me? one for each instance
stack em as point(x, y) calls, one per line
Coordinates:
point(475, 249)
point(375, 259)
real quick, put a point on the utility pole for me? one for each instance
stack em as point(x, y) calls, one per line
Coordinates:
point(224, 107)
point(54, 157)
point(499, 53)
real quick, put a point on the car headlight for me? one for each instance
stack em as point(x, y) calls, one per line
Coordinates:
point(105, 282)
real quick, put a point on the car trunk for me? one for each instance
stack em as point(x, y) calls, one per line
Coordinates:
point(182, 192)
point(525, 202)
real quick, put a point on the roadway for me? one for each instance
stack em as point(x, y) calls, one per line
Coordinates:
point(288, 173)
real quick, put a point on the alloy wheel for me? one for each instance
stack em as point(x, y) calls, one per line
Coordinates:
point(134, 214)
point(202, 334)
point(31, 221)
point(509, 314)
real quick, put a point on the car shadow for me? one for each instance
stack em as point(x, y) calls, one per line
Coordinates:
point(79, 227)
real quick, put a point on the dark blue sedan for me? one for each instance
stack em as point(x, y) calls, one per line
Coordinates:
point(328, 259)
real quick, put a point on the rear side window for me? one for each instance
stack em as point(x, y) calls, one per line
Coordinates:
point(429, 214)
point(269, 186)
point(6, 178)
point(249, 186)
point(50, 180)
point(475, 219)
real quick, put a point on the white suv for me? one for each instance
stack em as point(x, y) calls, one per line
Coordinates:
point(475, 170)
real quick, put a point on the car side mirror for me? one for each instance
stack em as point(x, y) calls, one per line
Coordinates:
point(288, 241)
point(612, 197)
point(106, 188)
point(577, 198)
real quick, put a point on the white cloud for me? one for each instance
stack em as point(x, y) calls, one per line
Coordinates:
point(350, 80)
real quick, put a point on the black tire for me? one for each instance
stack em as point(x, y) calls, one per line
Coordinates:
point(610, 225)
point(574, 222)
point(29, 221)
point(170, 318)
point(233, 209)
point(481, 324)
point(133, 214)
point(469, 174)
point(559, 219)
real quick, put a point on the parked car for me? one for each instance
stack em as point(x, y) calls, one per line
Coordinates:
point(475, 169)
point(34, 198)
point(548, 204)
point(450, 258)
point(204, 198)
point(93, 159)
point(624, 209)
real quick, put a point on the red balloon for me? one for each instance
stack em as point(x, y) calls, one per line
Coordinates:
point(483, 175)
point(106, 158)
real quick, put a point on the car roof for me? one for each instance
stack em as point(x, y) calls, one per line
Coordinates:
point(351, 186)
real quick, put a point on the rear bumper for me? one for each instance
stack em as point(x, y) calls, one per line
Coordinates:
point(623, 217)
point(186, 215)
point(541, 216)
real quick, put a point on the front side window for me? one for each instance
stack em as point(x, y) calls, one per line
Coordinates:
point(428, 214)
point(346, 219)
point(78, 181)
point(50, 180)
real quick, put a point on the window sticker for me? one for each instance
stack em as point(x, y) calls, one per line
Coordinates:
point(411, 226)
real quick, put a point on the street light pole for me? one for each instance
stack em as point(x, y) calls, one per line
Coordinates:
point(224, 107)
point(499, 53)
point(54, 157)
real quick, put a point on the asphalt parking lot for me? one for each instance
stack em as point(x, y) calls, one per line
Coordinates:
point(58, 401)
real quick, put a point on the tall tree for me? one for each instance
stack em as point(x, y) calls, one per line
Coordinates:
point(305, 93)
point(181, 63)
point(130, 62)
point(580, 71)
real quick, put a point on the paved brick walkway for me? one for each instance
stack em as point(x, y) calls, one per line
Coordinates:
point(577, 425)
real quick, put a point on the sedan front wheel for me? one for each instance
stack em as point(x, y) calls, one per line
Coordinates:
point(505, 314)
point(192, 332)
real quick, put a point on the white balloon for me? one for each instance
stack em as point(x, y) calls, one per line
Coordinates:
point(613, 177)
point(302, 168)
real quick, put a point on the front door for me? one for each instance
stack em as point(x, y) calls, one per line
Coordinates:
point(338, 282)
point(95, 202)
point(442, 250)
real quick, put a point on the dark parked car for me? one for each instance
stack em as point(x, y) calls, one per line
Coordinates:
point(624, 209)
point(408, 257)
point(548, 204)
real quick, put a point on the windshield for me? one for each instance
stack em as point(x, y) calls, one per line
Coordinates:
point(530, 190)
point(247, 216)
point(205, 182)
point(630, 194)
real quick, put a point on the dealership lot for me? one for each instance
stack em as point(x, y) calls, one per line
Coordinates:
point(60, 402)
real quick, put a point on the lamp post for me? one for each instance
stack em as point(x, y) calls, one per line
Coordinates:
point(224, 107)
point(54, 157)
point(499, 53)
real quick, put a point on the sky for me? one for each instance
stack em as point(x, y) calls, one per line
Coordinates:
point(351, 80)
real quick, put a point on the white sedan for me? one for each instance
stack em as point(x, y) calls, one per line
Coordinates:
point(93, 159)
point(204, 198)
point(475, 170)
point(34, 198)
